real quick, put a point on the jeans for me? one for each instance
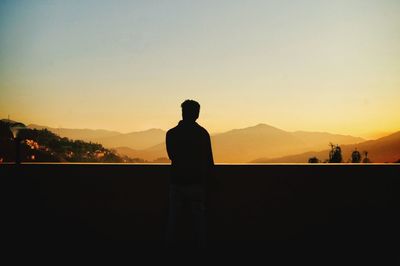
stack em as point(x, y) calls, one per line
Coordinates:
point(192, 196)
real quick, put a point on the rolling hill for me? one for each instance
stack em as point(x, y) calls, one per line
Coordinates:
point(134, 140)
point(150, 154)
point(78, 134)
point(262, 140)
point(110, 139)
point(386, 149)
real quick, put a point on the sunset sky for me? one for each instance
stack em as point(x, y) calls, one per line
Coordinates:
point(127, 65)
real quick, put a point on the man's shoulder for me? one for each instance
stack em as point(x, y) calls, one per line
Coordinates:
point(171, 131)
point(179, 129)
point(203, 130)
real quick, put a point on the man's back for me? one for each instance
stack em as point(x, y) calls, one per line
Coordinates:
point(189, 148)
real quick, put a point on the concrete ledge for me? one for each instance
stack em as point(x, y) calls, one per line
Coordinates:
point(247, 203)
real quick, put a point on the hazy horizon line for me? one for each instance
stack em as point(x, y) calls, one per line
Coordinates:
point(367, 136)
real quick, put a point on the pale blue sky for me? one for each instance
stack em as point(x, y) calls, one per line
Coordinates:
point(127, 65)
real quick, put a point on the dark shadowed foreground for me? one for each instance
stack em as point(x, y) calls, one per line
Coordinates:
point(251, 204)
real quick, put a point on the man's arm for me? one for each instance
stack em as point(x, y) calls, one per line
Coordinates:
point(210, 159)
point(169, 143)
point(211, 181)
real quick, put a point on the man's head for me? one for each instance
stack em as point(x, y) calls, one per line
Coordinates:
point(190, 110)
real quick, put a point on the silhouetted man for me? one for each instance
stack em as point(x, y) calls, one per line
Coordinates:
point(189, 148)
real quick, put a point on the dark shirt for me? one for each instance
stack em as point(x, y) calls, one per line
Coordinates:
point(189, 148)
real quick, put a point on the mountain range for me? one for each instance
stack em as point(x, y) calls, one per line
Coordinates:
point(385, 149)
point(244, 145)
point(81, 134)
point(259, 143)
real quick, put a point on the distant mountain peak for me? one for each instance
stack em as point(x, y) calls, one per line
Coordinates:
point(259, 127)
point(154, 130)
point(263, 125)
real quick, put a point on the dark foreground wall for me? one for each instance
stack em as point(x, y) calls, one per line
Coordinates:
point(250, 203)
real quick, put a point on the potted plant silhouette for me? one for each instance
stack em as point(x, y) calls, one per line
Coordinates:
point(335, 154)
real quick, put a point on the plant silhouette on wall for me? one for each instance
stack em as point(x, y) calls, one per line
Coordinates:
point(313, 160)
point(356, 156)
point(366, 159)
point(335, 154)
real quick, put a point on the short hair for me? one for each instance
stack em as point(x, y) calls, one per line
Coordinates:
point(190, 109)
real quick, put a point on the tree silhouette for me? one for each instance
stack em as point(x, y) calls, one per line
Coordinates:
point(335, 154)
point(356, 156)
